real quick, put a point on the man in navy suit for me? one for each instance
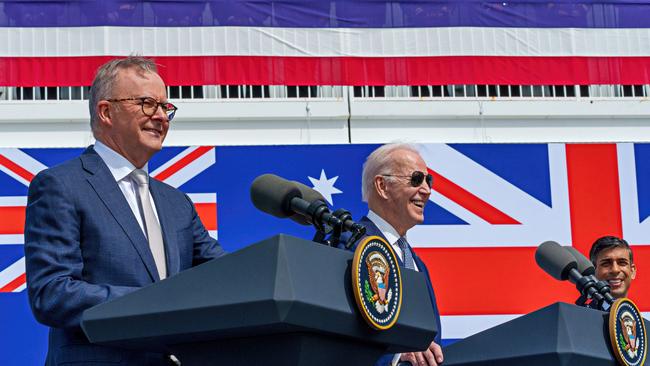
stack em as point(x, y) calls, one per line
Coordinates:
point(98, 228)
point(396, 184)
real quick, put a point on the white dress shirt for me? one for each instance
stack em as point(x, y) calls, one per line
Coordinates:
point(392, 237)
point(390, 234)
point(121, 169)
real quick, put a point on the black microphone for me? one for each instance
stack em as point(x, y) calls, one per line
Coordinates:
point(584, 265)
point(273, 195)
point(554, 260)
point(586, 268)
point(348, 224)
point(309, 195)
point(282, 198)
point(561, 264)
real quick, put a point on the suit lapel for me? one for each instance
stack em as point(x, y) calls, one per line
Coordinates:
point(372, 229)
point(103, 182)
point(164, 211)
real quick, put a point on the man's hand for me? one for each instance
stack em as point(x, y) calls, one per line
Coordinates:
point(432, 356)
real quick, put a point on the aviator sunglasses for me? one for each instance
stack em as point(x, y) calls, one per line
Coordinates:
point(416, 178)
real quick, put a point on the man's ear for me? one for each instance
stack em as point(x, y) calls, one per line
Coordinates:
point(381, 187)
point(104, 113)
point(633, 274)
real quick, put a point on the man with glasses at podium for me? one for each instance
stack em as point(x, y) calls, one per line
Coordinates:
point(396, 185)
point(98, 227)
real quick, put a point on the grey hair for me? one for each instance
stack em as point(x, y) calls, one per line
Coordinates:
point(380, 162)
point(105, 77)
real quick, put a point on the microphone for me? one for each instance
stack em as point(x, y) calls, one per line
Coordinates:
point(273, 195)
point(586, 268)
point(357, 230)
point(554, 260)
point(309, 195)
point(282, 198)
point(558, 262)
point(348, 224)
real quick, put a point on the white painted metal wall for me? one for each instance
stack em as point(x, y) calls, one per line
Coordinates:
point(350, 120)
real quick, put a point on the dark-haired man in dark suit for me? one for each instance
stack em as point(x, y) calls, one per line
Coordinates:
point(614, 262)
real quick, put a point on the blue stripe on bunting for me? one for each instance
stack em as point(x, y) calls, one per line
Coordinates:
point(328, 14)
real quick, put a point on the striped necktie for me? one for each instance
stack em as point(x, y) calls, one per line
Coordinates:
point(406, 251)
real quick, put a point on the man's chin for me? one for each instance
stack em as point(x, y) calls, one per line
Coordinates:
point(417, 218)
point(153, 145)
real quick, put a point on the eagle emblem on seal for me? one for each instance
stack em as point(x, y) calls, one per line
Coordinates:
point(628, 339)
point(378, 277)
point(627, 333)
point(376, 282)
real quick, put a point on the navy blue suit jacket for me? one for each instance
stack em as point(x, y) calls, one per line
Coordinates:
point(373, 230)
point(84, 246)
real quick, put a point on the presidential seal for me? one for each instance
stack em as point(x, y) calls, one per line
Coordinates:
point(627, 333)
point(376, 282)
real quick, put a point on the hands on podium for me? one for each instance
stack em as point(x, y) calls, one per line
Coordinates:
point(432, 356)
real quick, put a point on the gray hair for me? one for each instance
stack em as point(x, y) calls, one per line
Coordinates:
point(380, 162)
point(104, 81)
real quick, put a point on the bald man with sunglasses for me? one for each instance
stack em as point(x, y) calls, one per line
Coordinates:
point(397, 186)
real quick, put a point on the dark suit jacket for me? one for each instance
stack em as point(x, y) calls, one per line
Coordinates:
point(83, 247)
point(373, 230)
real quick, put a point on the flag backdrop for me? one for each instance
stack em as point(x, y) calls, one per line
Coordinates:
point(333, 42)
point(491, 206)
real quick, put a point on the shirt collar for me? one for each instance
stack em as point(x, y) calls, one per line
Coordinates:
point(386, 229)
point(118, 165)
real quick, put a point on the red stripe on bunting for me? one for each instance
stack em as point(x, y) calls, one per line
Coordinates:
point(270, 70)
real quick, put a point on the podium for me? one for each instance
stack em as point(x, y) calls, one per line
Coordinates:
point(559, 334)
point(282, 301)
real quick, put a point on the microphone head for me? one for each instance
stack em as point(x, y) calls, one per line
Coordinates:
point(273, 195)
point(308, 194)
point(554, 260)
point(585, 267)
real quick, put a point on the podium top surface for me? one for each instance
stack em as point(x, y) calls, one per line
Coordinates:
point(558, 334)
point(280, 285)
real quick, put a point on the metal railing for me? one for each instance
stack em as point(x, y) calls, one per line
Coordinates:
point(245, 92)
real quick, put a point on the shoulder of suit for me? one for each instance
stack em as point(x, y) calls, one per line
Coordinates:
point(64, 169)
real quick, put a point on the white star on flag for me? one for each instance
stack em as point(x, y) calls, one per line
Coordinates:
point(325, 186)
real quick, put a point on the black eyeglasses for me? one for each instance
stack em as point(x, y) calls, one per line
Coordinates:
point(416, 178)
point(150, 106)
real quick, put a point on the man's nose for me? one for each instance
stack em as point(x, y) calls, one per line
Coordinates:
point(424, 188)
point(160, 113)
